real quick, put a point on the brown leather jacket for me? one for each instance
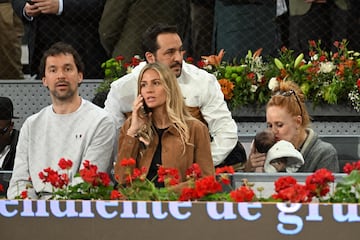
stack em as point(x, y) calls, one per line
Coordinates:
point(172, 150)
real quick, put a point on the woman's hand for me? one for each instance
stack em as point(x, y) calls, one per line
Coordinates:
point(256, 160)
point(137, 118)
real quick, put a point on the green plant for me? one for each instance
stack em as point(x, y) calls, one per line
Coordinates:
point(114, 68)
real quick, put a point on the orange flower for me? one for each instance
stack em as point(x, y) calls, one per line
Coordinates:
point(227, 88)
point(257, 53)
point(214, 60)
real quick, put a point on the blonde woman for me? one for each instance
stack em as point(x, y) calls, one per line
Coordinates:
point(160, 131)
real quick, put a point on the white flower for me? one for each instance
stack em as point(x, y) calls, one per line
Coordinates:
point(259, 77)
point(208, 67)
point(129, 69)
point(253, 88)
point(326, 67)
point(355, 100)
point(273, 83)
point(314, 58)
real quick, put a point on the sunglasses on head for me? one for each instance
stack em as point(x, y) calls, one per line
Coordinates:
point(289, 93)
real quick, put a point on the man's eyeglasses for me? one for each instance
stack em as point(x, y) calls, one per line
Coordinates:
point(4, 130)
point(289, 93)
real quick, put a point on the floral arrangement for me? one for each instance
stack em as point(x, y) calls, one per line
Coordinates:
point(243, 81)
point(96, 185)
point(324, 77)
point(114, 68)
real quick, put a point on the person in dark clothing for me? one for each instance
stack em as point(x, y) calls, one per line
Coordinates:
point(8, 135)
point(74, 22)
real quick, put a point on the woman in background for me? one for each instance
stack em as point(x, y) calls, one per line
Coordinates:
point(287, 117)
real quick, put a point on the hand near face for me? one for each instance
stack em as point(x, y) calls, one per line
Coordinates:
point(256, 160)
point(138, 119)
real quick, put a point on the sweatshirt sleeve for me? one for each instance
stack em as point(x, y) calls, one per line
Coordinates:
point(20, 178)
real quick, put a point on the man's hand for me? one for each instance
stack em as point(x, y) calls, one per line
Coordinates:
point(31, 10)
point(44, 7)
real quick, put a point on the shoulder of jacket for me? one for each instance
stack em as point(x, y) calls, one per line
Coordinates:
point(195, 123)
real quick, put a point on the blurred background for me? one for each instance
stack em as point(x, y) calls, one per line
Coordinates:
point(206, 27)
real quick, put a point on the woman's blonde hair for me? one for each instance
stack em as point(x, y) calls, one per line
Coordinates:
point(175, 105)
point(289, 96)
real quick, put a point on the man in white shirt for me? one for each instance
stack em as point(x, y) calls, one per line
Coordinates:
point(201, 91)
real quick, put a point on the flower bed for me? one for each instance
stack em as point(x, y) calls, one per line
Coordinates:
point(96, 185)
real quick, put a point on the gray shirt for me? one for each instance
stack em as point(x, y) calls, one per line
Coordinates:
point(318, 154)
point(45, 137)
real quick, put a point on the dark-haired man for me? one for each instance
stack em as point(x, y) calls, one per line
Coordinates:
point(201, 91)
point(71, 128)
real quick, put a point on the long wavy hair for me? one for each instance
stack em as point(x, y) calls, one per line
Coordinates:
point(289, 96)
point(175, 105)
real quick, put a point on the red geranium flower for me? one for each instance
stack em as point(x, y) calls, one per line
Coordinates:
point(115, 195)
point(169, 176)
point(89, 173)
point(318, 182)
point(242, 194)
point(189, 60)
point(225, 169)
point(65, 164)
point(119, 58)
point(295, 194)
point(349, 167)
point(284, 182)
point(24, 194)
point(207, 185)
point(193, 172)
point(104, 178)
point(224, 178)
point(128, 162)
point(188, 194)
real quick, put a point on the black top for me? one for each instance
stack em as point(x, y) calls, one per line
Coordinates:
point(8, 163)
point(156, 161)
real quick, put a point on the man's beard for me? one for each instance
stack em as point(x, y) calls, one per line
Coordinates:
point(63, 96)
point(177, 64)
